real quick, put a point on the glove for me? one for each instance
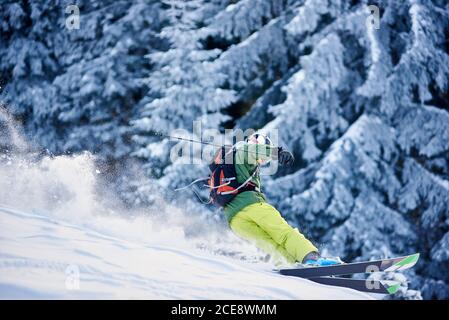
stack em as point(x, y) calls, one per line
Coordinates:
point(285, 157)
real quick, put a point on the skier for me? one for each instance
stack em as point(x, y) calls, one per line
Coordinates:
point(248, 213)
point(234, 184)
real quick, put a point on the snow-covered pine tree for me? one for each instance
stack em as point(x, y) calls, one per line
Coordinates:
point(257, 52)
point(76, 89)
point(367, 116)
point(186, 87)
point(216, 49)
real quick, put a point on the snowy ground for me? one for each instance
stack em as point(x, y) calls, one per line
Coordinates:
point(41, 257)
point(59, 239)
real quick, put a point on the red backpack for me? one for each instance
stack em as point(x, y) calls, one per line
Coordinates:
point(223, 184)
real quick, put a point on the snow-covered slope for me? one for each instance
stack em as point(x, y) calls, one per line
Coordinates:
point(41, 257)
point(60, 238)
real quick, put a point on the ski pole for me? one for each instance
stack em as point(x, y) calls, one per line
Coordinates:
point(160, 134)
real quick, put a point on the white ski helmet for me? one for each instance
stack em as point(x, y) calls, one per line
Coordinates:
point(258, 138)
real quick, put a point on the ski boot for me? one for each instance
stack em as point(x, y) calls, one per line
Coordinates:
point(314, 259)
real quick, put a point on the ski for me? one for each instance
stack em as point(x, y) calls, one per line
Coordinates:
point(386, 265)
point(371, 286)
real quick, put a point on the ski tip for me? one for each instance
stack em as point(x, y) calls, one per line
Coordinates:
point(408, 261)
point(415, 255)
point(391, 288)
point(404, 263)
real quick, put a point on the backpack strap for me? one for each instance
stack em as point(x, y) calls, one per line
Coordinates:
point(192, 183)
point(245, 184)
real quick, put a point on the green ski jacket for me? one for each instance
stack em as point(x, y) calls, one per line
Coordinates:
point(246, 161)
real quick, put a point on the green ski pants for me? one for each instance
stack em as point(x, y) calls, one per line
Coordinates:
point(261, 224)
